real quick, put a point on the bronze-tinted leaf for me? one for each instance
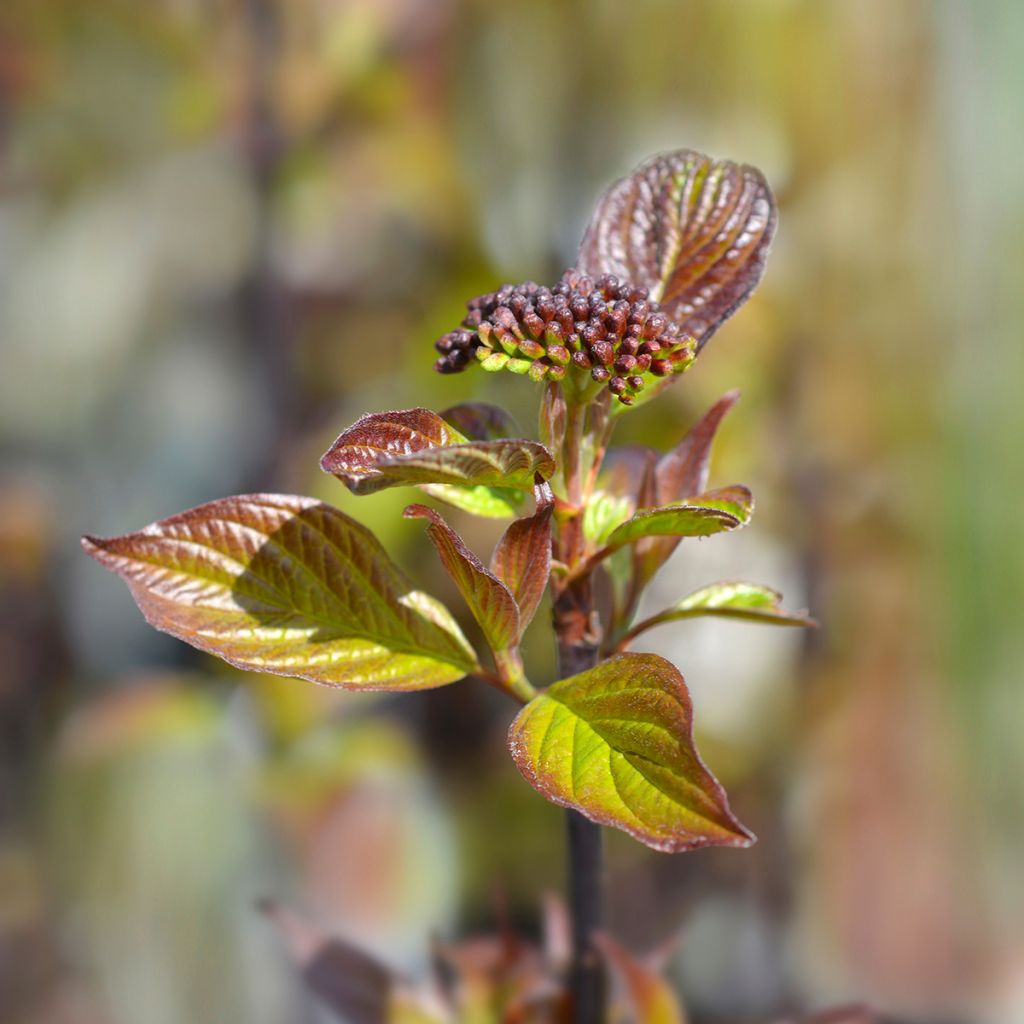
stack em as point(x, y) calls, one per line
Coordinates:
point(650, 998)
point(616, 744)
point(283, 584)
point(416, 446)
point(683, 472)
point(522, 558)
point(694, 232)
point(490, 601)
point(479, 421)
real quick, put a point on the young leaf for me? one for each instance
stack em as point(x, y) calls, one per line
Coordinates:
point(522, 558)
point(683, 472)
point(490, 601)
point(479, 421)
point(749, 601)
point(713, 512)
point(736, 600)
point(487, 502)
point(616, 744)
point(650, 997)
point(283, 584)
point(694, 232)
point(416, 446)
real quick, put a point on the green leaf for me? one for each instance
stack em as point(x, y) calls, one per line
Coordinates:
point(283, 584)
point(522, 558)
point(486, 502)
point(616, 744)
point(710, 513)
point(490, 601)
point(416, 446)
point(694, 232)
point(738, 600)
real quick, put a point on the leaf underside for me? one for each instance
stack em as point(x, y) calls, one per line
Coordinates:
point(616, 744)
point(522, 560)
point(416, 446)
point(694, 232)
point(288, 585)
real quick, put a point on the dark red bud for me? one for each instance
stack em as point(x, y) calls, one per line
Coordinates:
point(582, 360)
point(603, 352)
point(624, 364)
point(643, 362)
point(635, 383)
point(617, 386)
point(600, 374)
point(661, 367)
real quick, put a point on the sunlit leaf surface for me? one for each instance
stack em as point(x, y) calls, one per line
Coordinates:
point(713, 512)
point(694, 232)
point(736, 600)
point(416, 446)
point(283, 584)
point(616, 744)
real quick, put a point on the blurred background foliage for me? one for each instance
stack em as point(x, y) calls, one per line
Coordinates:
point(228, 227)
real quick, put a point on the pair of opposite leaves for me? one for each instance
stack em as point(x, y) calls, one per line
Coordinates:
point(290, 586)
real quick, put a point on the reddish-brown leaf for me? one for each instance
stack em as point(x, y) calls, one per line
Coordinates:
point(283, 584)
point(490, 601)
point(522, 558)
point(416, 446)
point(480, 421)
point(683, 472)
point(694, 232)
point(650, 998)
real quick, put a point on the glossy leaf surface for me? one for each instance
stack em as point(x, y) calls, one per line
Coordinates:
point(283, 584)
point(490, 601)
point(522, 558)
point(694, 232)
point(616, 744)
point(750, 601)
point(710, 513)
point(416, 446)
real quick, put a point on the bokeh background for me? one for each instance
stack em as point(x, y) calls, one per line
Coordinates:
point(228, 227)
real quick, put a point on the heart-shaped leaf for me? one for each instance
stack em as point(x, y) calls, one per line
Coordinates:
point(416, 446)
point(749, 601)
point(713, 512)
point(616, 744)
point(522, 558)
point(694, 232)
point(283, 584)
point(490, 601)
point(479, 421)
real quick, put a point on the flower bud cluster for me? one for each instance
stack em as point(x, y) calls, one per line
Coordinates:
point(607, 328)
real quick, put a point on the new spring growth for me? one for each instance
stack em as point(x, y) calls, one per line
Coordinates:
point(608, 329)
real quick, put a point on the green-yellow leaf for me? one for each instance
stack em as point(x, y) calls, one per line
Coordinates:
point(713, 512)
point(616, 744)
point(287, 585)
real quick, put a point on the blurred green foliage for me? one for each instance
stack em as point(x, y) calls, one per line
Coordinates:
point(217, 217)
